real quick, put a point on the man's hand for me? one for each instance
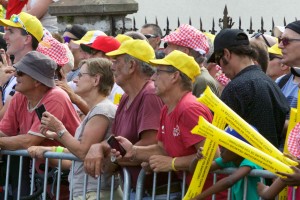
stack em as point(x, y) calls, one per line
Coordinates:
point(146, 167)
point(127, 145)
point(159, 163)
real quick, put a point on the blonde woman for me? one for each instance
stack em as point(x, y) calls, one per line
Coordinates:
point(93, 84)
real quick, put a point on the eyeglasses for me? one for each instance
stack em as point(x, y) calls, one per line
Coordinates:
point(158, 71)
point(218, 57)
point(286, 41)
point(67, 39)
point(19, 73)
point(256, 35)
point(81, 74)
point(16, 19)
point(148, 36)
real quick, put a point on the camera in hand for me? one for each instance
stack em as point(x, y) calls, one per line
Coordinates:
point(114, 144)
point(40, 110)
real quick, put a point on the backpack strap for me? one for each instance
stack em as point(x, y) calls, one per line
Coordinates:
point(284, 80)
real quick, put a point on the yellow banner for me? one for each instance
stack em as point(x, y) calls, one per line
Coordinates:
point(202, 169)
point(239, 147)
point(241, 126)
point(203, 165)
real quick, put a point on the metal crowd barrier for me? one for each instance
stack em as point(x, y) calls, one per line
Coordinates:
point(61, 156)
point(263, 174)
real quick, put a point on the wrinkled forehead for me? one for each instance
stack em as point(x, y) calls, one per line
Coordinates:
point(290, 33)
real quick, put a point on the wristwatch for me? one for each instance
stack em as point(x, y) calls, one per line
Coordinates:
point(61, 133)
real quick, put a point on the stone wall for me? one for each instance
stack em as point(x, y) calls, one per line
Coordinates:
point(105, 15)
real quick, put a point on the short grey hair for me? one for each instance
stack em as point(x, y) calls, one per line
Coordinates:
point(145, 67)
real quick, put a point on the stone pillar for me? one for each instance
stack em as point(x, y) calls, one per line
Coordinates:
point(108, 16)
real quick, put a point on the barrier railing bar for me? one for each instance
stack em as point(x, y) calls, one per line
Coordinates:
point(20, 177)
point(7, 177)
point(127, 184)
point(58, 180)
point(32, 177)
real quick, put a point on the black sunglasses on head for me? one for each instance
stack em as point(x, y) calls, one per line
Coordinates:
point(256, 35)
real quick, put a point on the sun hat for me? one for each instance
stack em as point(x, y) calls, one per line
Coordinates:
point(122, 38)
point(89, 37)
point(275, 50)
point(38, 66)
point(228, 38)
point(278, 30)
point(139, 49)
point(210, 36)
point(102, 43)
point(70, 56)
point(54, 49)
point(181, 61)
point(188, 36)
point(29, 23)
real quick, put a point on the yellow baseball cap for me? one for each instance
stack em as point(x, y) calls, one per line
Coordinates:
point(89, 37)
point(139, 49)
point(28, 22)
point(210, 36)
point(275, 50)
point(122, 38)
point(181, 61)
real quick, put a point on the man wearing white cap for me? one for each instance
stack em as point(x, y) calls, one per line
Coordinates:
point(194, 43)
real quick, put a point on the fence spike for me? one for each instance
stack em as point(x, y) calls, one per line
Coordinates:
point(273, 25)
point(262, 30)
point(213, 31)
point(284, 22)
point(156, 22)
point(250, 30)
point(168, 28)
point(178, 22)
point(190, 21)
point(134, 25)
point(240, 23)
point(201, 26)
point(146, 20)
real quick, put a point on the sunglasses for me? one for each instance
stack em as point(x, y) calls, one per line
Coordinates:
point(16, 19)
point(148, 36)
point(286, 41)
point(19, 73)
point(68, 39)
point(257, 35)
